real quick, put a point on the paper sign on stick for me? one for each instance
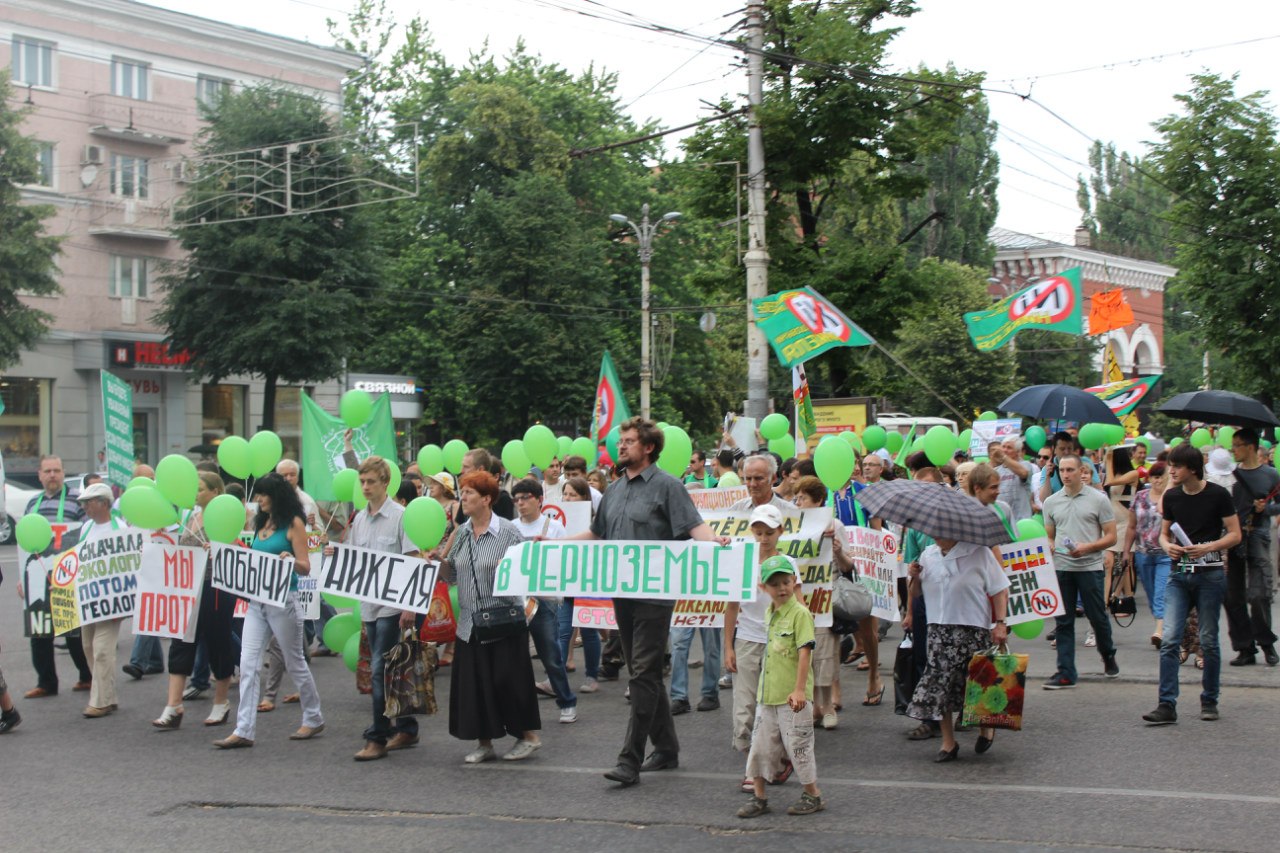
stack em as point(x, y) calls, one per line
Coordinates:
point(96, 580)
point(875, 558)
point(170, 581)
point(594, 613)
point(378, 577)
point(255, 575)
point(1033, 583)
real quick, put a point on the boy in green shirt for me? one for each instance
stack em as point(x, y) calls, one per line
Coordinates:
point(784, 707)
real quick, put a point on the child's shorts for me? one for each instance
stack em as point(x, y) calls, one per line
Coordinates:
point(781, 732)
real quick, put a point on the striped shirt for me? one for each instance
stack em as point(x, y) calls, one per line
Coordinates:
point(65, 528)
point(474, 562)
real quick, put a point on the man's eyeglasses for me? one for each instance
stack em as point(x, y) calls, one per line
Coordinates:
point(1044, 457)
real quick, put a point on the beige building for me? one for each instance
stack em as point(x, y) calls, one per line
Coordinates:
point(113, 88)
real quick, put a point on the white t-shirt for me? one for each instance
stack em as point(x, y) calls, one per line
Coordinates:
point(544, 526)
point(751, 614)
point(553, 493)
point(958, 587)
point(310, 511)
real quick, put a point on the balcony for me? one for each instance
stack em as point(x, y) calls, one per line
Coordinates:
point(140, 122)
point(134, 218)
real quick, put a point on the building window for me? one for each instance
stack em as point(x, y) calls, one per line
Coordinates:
point(222, 414)
point(289, 418)
point(44, 164)
point(127, 277)
point(128, 176)
point(25, 427)
point(209, 90)
point(32, 62)
point(129, 79)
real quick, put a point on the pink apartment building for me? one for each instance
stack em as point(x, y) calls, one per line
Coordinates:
point(113, 89)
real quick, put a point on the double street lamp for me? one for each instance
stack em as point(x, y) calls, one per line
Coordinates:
point(644, 232)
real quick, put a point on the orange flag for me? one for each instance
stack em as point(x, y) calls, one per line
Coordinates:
point(1109, 311)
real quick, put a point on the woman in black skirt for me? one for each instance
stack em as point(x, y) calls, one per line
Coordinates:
point(491, 690)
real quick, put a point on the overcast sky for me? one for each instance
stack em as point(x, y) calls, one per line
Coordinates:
point(1107, 68)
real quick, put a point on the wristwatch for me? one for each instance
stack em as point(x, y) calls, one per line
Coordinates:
point(999, 622)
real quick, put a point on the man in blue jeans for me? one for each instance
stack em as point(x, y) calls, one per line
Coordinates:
point(380, 527)
point(681, 640)
point(1200, 526)
point(1081, 525)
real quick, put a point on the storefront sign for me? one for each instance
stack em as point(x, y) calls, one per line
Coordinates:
point(147, 355)
point(117, 421)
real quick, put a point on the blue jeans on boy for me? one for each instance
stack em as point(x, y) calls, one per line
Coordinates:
point(590, 639)
point(543, 628)
point(147, 655)
point(1153, 571)
point(1205, 591)
point(1088, 585)
point(681, 640)
point(383, 634)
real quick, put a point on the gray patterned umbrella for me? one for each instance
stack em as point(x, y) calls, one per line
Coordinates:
point(935, 510)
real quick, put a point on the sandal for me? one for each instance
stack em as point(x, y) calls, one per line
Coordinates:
point(1182, 657)
point(854, 657)
point(218, 714)
point(292, 699)
point(874, 699)
point(864, 666)
point(265, 707)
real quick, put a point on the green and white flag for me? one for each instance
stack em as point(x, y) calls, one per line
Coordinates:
point(801, 324)
point(322, 443)
point(611, 404)
point(117, 422)
point(1051, 304)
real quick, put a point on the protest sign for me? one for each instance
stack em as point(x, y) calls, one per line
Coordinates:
point(594, 613)
point(625, 569)
point(309, 586)
point(985, 432)
point(96, 580)
point(875, 559)
point(718, 498)
point(1033, 583)
point(692, 613)
point(33, 575)
point(255, 575)
point(170, 582)
point(802, 540)
point(378, 577)
point(574, 515)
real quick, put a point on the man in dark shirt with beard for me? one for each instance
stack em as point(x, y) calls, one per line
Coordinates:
point(1249, 581)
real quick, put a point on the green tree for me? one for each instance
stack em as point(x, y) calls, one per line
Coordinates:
point(267, 288)
point(27, 253)
point(1125, 207)
point(1219, 155)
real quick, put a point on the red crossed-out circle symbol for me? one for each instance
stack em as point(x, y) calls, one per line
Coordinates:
point(1053, 298)
point(1044, 602)
point(605, 406)
point(817, 316)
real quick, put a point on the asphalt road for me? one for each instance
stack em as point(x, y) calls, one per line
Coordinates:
point(1084, 774)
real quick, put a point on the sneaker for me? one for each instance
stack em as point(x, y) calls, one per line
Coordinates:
point(1163, 715)
point(132, 670)
point(478, 756)
point(522, 750)
point(830, 721)
point(193, 692)
point(726, 681)
point(607, 674)
point(1059, 682)
point(544, 689)
point(680, 706)
point(569, 715)
point(807, 804)
point(1090, 639)
point(9, 720)
point(709, 703)
point(754, 808)
point(1109, 666)
point(1209, 713)
point(589, 686)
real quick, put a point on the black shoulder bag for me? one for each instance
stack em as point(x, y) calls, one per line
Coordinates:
point(491, 624)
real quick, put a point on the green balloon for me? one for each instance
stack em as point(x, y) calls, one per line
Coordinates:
point(1176, 442)
point(453, 598)
point(964, 439)
point(851, 438)
point(1029, 528)
point(358, 500)
point(830, 436)
point(234, 457)
point(1035, 437)
point(1266, 445)
point(141, 483)
point(424, 522)
point(874, 437)
point(355, 408)
point(34, 533)
point(611, 443)
point(351, 652)
point(677, 450)
point(177, 480)
point(834, 462)
point(341, 602)
point(1225, 434)
point(987, 416)
point(774, 426)
point(1201, 438)
point(1028, 630)
point(583, 447)
point(339, 629)
point(939, 445)
point(784, 446)
point(1093, 436)
point(564, 446)
point(515, 460)
point(540, 445)
point(431, 460)
point(662, 424)
point(147, 509)
point(893, 442)
point(454, 450)
point(265, 450)
point(223, 519)
point(917, 444)
point(345, 483)
point(393, 484)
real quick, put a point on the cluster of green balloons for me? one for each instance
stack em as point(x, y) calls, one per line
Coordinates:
point(253, 458)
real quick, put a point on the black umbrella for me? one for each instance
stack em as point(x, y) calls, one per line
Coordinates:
point(1220, 407)
point(1059, 402)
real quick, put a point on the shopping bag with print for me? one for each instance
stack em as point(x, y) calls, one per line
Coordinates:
point(994, 691)
point(439, 626)
point(409, 676)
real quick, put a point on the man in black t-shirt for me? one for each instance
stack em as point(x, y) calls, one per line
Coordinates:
point(1249, 583)
point(1200, 525)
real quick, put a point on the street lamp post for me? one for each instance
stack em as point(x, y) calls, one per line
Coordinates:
point(645, 232)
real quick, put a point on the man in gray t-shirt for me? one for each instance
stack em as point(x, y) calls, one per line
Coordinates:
point(1081, 525)
point(1249, 567)
point(1015, 475)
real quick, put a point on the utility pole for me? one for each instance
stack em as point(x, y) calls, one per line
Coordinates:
point(757, 257)
point(645, 232)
